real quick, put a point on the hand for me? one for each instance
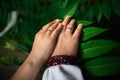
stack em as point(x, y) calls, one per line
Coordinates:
point(45, 40)
point(68, 41)
point(42, 49)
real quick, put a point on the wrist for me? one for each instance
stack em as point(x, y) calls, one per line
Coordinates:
point(36, 59)
point(60, 59)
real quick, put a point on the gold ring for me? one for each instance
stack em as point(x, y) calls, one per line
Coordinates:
point(49, 30)
point(69, 28)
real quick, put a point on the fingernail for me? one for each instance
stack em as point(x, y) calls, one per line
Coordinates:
point(68, 16)
point(73, 20)
point(80, 24)
point(57, 20)
point(60, 25)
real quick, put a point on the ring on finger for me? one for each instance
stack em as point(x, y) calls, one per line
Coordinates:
point(49, 30)
point(69, 28)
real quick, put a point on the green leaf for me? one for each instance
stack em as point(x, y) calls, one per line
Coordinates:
point(27, 40)
point(72, 8)
point(90, 32)
point(104, 66)
point(116, 6)
point(84, 22)
point(98, 47)
point(64, 4)
point(106, 8)
point(88, 13)
point(55, 9)
point(98, 12)
point(60, 4)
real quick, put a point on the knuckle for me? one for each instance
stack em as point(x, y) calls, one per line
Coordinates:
point(39, 34)
point(36, 35)
point(70, 25)
point(43, 27)
point(47, 24)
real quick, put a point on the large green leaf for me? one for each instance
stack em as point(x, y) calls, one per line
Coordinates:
point(104, 66)
point(116, 6)
point(55, 9)
point(61, 12)
point(98, 47)
point(90, 32)
point(64, 3)
point(72, 9)
point(84, 22)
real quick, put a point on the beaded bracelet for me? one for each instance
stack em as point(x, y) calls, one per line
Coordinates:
point(60, 59)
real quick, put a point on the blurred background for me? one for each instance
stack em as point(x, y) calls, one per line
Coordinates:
point(99, 52)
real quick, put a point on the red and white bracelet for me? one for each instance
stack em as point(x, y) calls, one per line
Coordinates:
point(60, 59)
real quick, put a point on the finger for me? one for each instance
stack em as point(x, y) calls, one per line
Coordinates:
point(52, 27)
point(65, 22)
point(70, 26)
point(45, 28)
point(57, 31)
point(78, 31)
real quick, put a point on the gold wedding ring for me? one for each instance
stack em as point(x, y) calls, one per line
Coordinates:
point(49, 30)
point(69, 28)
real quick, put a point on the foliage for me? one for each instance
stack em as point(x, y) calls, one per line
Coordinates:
point(103, 66)
point(33, 14)
point(95, 48)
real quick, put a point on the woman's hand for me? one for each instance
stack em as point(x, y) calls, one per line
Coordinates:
point(45, 40)
point(68, 41)
point(43, 46)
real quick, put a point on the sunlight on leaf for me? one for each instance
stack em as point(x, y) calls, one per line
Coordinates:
point(72, 10)
point(90, 32)
point(98, 47)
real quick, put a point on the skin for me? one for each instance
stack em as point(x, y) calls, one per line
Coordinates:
point(68, 41)
point(55, 38)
